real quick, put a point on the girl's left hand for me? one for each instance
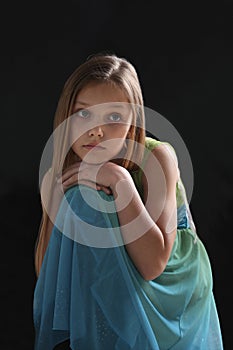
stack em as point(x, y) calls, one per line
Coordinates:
point(98, 176)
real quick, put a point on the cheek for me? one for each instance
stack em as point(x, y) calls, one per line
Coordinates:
point(75, 147)
point(117, 139)
point(76, 135)
point(119, 131)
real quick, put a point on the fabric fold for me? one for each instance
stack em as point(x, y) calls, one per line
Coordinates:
point(96, 297)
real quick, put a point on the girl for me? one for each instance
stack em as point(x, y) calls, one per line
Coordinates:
point(118, 261)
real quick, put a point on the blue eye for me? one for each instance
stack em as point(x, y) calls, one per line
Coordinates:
point(115, 117)
point(83, 113)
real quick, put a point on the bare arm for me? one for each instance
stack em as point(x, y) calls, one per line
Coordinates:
point(148, 226)
point(156, 220)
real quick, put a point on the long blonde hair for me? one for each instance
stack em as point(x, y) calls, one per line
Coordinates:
point(100, 68)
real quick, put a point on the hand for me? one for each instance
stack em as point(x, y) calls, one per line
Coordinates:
point(100, 177)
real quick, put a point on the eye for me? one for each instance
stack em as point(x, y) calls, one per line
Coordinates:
point(83, 113)
point(115, 117)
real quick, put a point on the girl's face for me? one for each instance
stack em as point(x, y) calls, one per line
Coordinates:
point(100, 123)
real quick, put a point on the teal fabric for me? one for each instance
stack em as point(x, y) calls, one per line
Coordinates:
point(96, 298)
point(81, 289)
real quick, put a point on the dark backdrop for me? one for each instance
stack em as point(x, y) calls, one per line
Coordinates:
point(183, 54)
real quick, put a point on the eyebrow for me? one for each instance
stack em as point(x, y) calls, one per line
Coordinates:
point(81, 103)
point(112, 105)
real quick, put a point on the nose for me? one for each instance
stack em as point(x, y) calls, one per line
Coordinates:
point(97, 131)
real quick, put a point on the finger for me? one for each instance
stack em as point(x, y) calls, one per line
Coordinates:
point(70, 171)
point(88, 184)
point(71, 180)
point(77, 179)
point(67, 175)
point(106, 190)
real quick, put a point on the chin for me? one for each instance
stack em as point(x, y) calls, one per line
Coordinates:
point(94, 160)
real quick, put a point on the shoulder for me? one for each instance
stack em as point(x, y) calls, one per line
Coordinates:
point(151, 143)
point(163, 155)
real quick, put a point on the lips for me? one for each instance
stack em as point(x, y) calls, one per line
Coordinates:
point(93, 145)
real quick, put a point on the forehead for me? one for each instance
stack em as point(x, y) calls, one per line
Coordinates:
point(97, 93)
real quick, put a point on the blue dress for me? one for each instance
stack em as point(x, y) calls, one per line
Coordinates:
point(95, 296)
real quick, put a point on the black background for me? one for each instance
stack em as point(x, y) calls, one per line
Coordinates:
point(183, 55)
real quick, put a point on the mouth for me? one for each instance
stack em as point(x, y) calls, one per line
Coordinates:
point(95, 146)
